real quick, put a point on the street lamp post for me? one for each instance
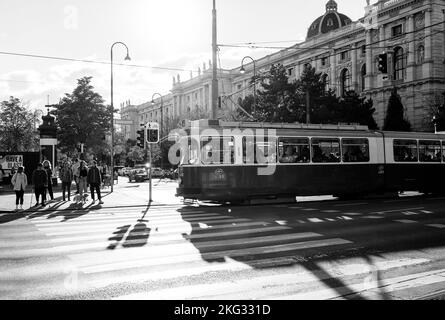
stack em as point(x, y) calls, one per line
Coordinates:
point(242, 71)
point(112, 111)
point(161, 126)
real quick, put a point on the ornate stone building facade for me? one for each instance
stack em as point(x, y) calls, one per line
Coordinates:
point(412, 32)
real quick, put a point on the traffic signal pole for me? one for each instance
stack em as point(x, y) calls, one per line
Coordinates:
point(150, 200)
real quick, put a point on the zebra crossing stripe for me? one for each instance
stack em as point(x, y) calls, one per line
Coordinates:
point(264, 287)
point(440, 226)
point(369, 289)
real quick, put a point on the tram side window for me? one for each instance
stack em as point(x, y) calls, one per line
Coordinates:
point(217, 150)
point(193, 151)
point(259, 151)
point(325, 150)
point(443, 150)
point(429, 151)
point(405, 150)
point(293, 150)
point(355, 150)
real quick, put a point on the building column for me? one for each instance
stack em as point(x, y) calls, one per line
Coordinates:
point(410, 67)
point(428, 63)
point(297, 71)
point(333, 76)
point(354, 67)
point(369, 69)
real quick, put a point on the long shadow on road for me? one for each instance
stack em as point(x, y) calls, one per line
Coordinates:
point(270, 237)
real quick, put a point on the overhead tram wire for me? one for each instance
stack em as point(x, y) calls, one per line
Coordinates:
point(349, 49)
point(370, 46)
point(90, 61)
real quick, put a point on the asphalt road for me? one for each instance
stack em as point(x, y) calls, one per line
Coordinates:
point(362, 249)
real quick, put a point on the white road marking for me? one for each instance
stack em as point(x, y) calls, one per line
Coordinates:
point(396, 210)
point(440, 226)
point(264, 287)
point(405, 221)
point(315, 220)
point(410, 213)
point(386, 285)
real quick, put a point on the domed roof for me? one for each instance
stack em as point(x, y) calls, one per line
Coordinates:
point(328, 22)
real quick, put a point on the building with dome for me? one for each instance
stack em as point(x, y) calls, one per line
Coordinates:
point(412, 32)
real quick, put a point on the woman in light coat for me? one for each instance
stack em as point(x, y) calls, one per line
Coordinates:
point(19, 182)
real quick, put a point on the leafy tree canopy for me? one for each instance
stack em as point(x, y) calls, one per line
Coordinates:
point(82, 117)
point(17, 127)
point(395, 120)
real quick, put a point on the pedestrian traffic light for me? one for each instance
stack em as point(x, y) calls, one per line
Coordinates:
point(383, 63)
point(152, 135)
point(141, 138)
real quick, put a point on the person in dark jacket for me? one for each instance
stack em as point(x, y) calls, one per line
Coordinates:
point(49, 172)
point(40, 182)
point(94, 179)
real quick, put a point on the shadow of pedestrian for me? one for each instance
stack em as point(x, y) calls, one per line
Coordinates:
point(118, 236)
point(138, 236)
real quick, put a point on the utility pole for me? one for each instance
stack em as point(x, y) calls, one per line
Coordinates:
point(214, 63)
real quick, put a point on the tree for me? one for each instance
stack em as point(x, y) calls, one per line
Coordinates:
point(277, 100)
point(17, 127)
point(356, 109)
point(311, 83)
point(82, 117)
point(395, 120)
point(437, 106)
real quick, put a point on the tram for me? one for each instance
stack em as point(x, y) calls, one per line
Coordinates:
point(241, 161)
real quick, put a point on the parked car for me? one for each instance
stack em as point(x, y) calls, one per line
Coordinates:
point(157, 173)
point(126, 170)
point(138, 175)
point(119, 170)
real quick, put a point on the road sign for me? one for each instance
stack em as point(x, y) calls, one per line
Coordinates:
point(123, 122)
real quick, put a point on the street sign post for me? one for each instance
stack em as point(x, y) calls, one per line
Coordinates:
point(151, 137)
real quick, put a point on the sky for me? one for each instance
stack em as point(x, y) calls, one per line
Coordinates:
point(164, 38)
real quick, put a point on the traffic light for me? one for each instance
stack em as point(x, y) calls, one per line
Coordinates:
point(141, 138)
point(383, 63)
point(152, 135)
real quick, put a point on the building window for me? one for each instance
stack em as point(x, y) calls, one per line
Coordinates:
point(324, 61)
point(363, 50)
point(239, 86)
point(420, 54)
point(344, 55)
point(345, 81)
point(397, 30)
point(399, 63)
point(330, 22)
point(363, 77)
point(290, 72)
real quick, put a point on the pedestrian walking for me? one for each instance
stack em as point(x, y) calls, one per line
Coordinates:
point(75, 169)
point(47, 167)
point(19, 182)
point(94, 179)
point(40, 182)
point(66, 175)
point(83, 183)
